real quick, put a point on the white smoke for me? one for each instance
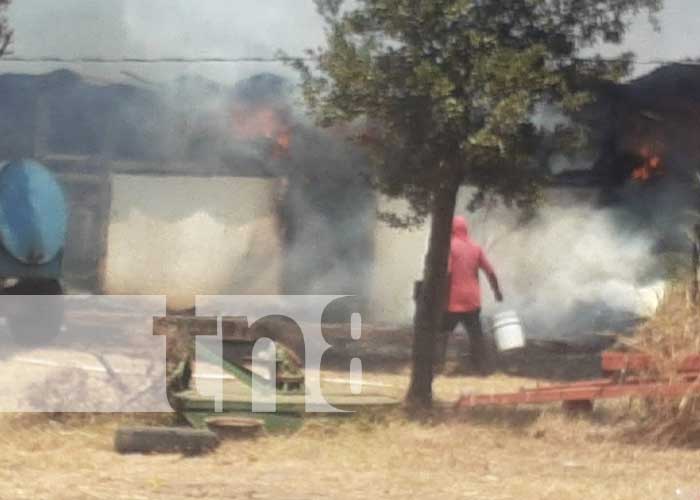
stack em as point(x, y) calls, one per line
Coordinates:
point(572, 270)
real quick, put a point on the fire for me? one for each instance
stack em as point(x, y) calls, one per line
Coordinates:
point(282, 142)
point(650, 167)
point(265, 123)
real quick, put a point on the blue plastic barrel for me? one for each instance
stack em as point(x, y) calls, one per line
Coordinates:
point(33, 212)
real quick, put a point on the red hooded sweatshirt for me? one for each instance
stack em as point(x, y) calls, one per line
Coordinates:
point(466, 258)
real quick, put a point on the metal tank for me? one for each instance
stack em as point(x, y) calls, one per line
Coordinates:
point(33, 219)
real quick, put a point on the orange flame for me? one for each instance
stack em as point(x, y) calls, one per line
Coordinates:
point(282, 142)
point(263, 122)
point(650, 167)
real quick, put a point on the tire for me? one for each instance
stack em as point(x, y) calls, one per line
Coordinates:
point(29, 327)
point(164, 440)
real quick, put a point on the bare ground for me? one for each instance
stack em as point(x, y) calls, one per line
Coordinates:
point(527, 453)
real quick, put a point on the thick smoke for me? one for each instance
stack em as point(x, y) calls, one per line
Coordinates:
point(573, 269)
point(577, 268)
point(572, 265)
point(316, 195)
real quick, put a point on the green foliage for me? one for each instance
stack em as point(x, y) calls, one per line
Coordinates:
point(5, 31)
point(446, 88)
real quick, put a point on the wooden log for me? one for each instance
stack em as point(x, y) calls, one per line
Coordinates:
point(183, 329)
point(164, 440)
point(233, 328)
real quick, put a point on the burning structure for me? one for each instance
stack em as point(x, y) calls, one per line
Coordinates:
point(591, 259)
point(653, 120)
point(647, 155)
point(625, 208)
point(197, 188)
point(194, 188)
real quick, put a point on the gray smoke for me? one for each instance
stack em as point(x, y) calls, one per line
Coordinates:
point(569, 266)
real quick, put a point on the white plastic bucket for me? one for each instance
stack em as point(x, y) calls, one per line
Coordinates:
point(507, 331)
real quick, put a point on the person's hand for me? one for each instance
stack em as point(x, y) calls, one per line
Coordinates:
point(499, 296)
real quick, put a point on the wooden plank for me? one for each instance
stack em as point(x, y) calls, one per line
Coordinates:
point(233, 328)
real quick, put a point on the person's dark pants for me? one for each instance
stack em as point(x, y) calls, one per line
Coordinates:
point(477, 344)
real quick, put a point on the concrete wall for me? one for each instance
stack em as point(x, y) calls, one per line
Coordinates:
point(88, 198)
point(398, 263)
point(183, 236)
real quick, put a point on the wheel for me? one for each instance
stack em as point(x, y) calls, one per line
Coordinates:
point(164, 440)
point(38, 322)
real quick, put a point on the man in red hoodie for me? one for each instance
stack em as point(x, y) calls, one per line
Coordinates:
point(464, 302)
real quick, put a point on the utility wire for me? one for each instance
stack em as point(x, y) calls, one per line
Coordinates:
point(145, 60)
point(233, 60)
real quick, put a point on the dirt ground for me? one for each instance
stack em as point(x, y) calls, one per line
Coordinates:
point(526, 453)
point(514, 453)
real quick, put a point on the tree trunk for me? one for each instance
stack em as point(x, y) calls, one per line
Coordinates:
point(695, 269)
point(429, 296)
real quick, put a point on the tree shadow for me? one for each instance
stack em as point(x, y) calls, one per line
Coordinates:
point(515, 418)
point(388, 350)
point(541, 364)
point(381, 349)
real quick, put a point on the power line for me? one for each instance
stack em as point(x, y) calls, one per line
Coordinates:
point(234, 60)
point(655, 62)
point(146, 60)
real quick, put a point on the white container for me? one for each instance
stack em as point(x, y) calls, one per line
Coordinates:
point(507, 331)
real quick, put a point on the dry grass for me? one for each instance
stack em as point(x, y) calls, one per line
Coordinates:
point(669, 338)
point(672, 334)
point(508, 453)
point(529, 453)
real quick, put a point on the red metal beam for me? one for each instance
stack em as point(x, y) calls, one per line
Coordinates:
point(582, 391)
point(606, 388)
point(633, 362)
point(613, 362)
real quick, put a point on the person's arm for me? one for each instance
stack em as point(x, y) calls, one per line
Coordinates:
point(486, 266)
